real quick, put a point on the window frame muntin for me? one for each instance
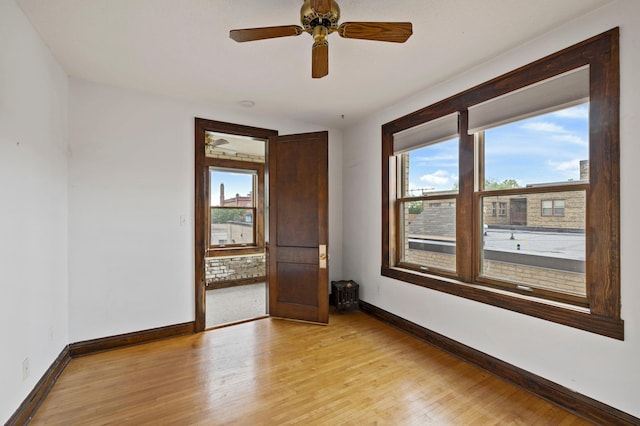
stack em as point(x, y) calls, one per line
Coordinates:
point(601, 54)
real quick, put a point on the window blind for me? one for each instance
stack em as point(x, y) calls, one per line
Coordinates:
point(556, 93)
point(434, 131)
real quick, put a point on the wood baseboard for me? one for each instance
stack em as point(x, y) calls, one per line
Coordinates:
point(28, 408)
point(581, 405)
point(30, 405)
point(88, 347)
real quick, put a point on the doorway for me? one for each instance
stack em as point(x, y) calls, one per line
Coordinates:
point(238, 276)
point(230, 217)
point(518, 211)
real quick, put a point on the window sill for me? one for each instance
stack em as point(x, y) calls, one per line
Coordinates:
point(561, 313)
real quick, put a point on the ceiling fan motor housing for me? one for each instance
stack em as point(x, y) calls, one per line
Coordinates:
point(311, 19)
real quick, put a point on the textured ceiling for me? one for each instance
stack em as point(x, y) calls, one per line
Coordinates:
point(181, 48)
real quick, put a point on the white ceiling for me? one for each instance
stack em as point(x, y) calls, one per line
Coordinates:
point(181, 48)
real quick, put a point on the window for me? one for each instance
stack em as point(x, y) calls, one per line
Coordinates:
point(231, 216)
point(524, 227)
point(427, 158)
point(235, 189)
point(552, 207)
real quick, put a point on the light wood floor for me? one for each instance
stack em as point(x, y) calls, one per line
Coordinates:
point(354, 371)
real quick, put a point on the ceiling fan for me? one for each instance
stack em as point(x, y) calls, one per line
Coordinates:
point(320, 18)
point(212, 144)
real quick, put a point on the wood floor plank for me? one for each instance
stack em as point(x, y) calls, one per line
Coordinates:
point(354, 371)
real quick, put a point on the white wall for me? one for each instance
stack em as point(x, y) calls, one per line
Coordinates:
point(33, 207)
point(596, 366)
point(131, 177)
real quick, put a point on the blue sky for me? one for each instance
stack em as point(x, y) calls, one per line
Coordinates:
point(234, 183)
point(542, 149)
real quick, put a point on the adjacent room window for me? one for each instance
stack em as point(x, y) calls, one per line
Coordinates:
point(233, 207)
point(488, 194)
point(235, 182)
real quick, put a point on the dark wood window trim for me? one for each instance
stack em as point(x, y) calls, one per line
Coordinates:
point(601, 312)
point(202, 164)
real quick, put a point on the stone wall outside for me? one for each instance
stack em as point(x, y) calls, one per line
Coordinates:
point(574, 210)
point(229, 268)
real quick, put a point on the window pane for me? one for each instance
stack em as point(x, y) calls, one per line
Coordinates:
point(429, 233)
point(231, 188)
point(231, 226)
point(234, 147)
point(545, 149)
point(535, 249)
point(232, 206)
point(430, 169)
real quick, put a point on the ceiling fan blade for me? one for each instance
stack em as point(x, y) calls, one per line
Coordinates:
point(251, 34)
point(321, 6)
point(320, 59)
point(397, 32)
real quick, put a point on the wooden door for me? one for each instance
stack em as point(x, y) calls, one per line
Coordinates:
point(298, 227)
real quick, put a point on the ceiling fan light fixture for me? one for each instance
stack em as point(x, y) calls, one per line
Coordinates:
point(320, 18)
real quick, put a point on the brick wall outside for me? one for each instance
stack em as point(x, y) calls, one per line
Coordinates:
point(574, 210)
point(487, 210)
point(431, 259)
point(553, 279)
point(231, 268)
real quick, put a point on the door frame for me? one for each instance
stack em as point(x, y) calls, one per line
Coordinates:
point(201, 170)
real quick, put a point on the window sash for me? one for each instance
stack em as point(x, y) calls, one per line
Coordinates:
point(443, 257)
point(256, 171)
point(522, 257)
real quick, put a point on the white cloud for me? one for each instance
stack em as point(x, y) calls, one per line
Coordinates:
point(441, 157)
point(442, 160)
point(438, 178)
point(565, 166)
point(580, 111)
point(543, 126)
point(574, 139)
